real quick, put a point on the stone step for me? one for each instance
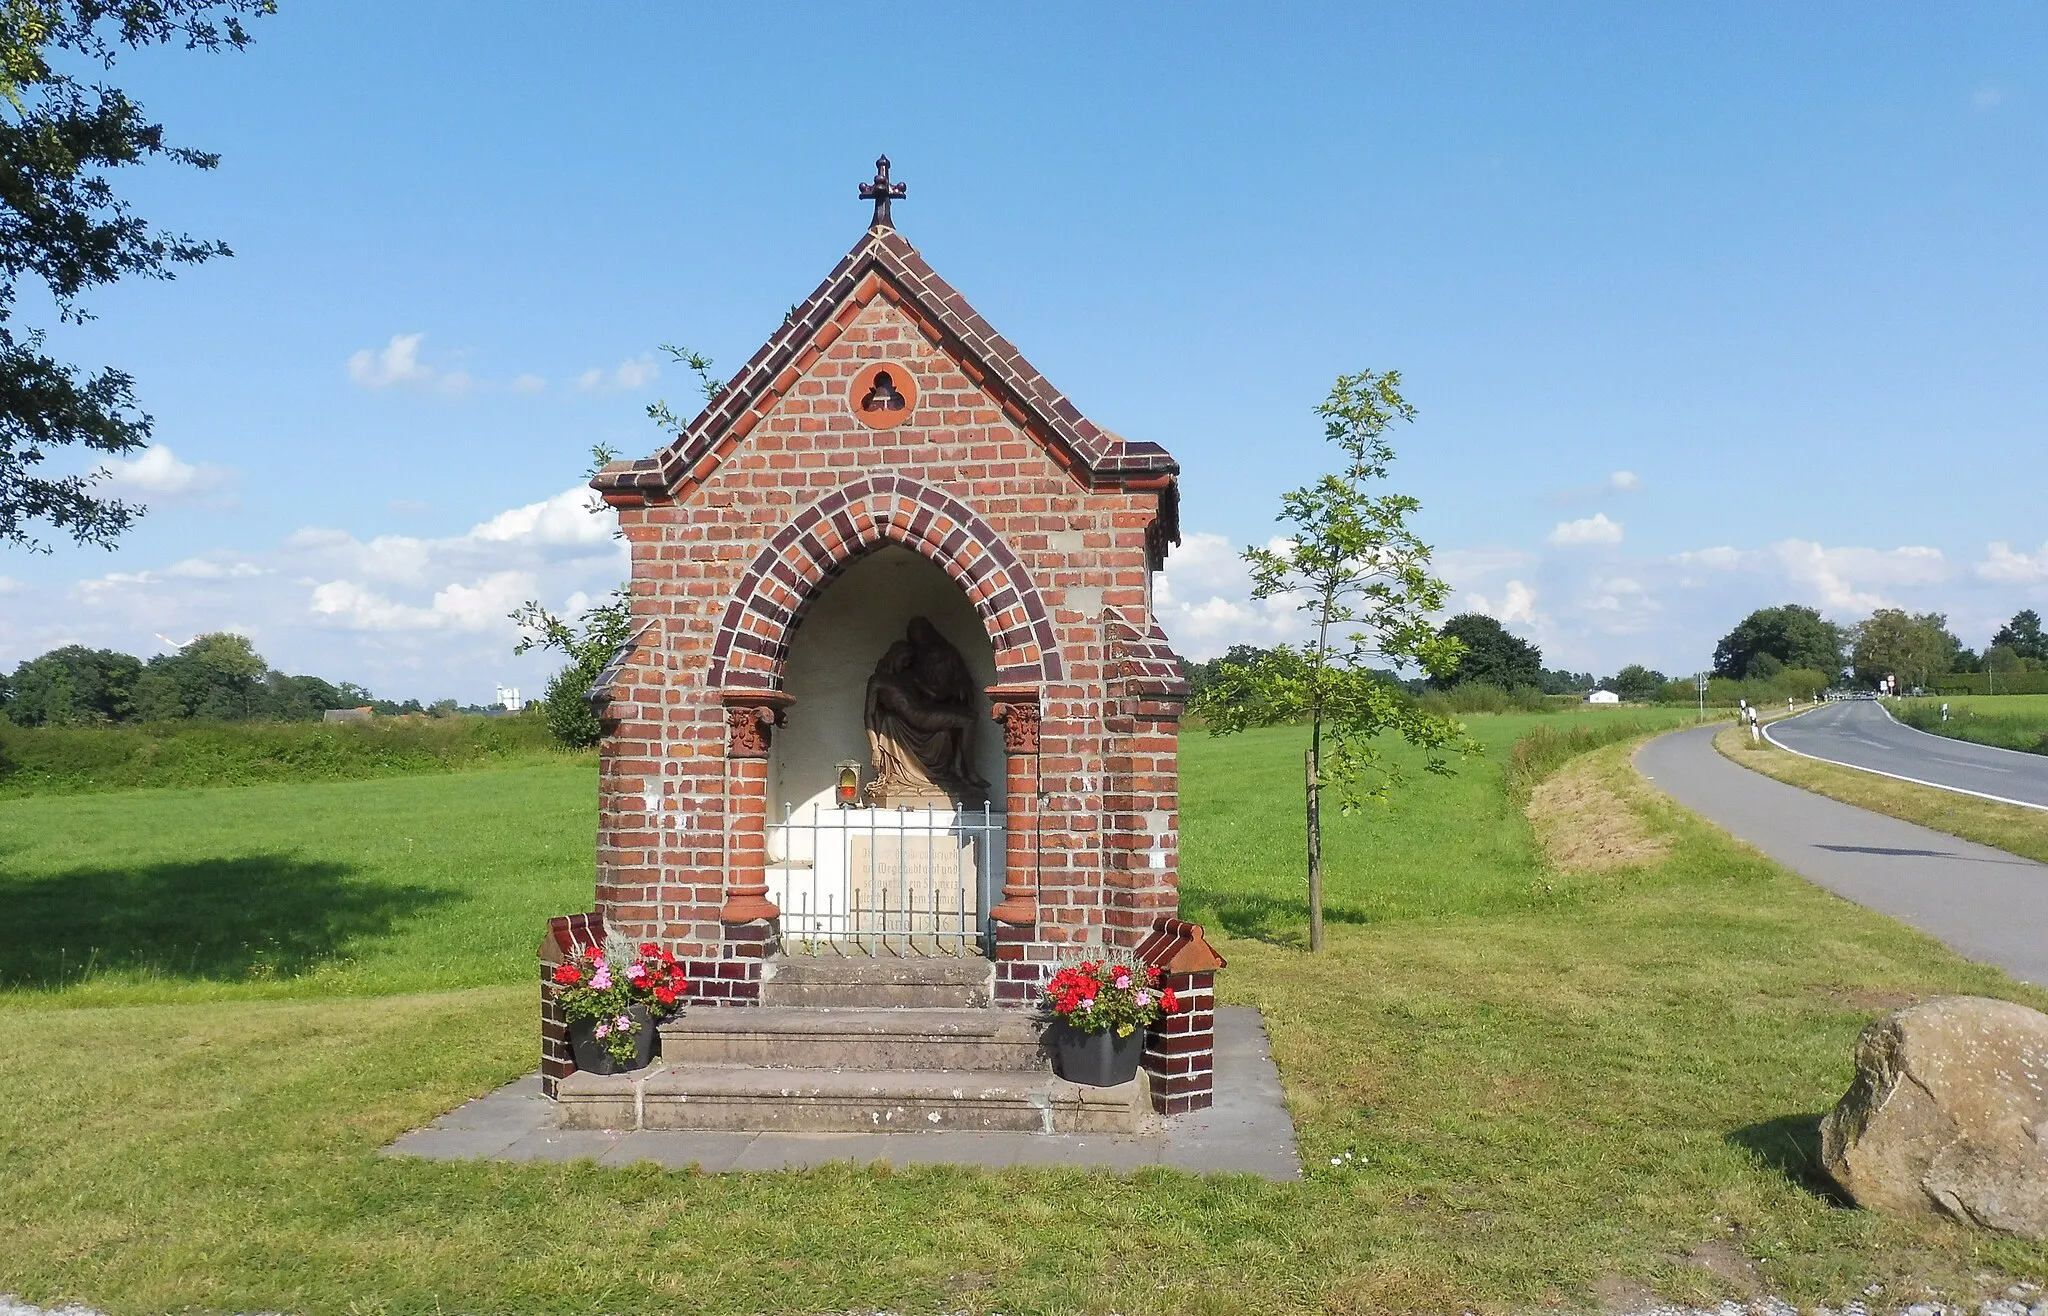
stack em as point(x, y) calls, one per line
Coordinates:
point(751, 1099)
point(801, 1037)
point(862, 982)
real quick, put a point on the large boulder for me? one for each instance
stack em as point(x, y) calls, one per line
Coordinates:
point(1948, 1116)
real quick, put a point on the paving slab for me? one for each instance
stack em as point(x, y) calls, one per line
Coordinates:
point(1247, 1131)
point(676, 1149)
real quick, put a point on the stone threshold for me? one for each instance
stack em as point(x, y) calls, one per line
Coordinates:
point(1247, 1131)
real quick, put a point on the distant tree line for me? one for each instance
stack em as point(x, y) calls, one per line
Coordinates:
point(218, 677)
point(1773, 652)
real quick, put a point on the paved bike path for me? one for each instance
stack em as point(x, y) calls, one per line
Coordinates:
point(1984, 903)
point(1861, 734)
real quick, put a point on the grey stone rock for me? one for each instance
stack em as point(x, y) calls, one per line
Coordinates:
point(1948, 1116)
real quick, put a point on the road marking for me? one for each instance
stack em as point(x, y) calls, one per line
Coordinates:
point(1895, 776)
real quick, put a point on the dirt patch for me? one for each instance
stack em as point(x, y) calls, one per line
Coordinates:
point(1585, 825)
point(1871, 1001)
point(1726, 1262)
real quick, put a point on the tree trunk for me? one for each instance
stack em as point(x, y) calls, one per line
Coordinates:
point(1315, 852)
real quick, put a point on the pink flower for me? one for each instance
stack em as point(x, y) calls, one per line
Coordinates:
point(1123, 982)
point(622, 1022)
point(1142, 999)
point(636, 972)
point(602, 1030)
point(603, 979)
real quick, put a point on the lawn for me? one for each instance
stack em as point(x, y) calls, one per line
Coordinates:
point(2007, 721)
point(1546, 1081)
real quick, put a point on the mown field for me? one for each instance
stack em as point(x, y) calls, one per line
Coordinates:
point(1554, 1086)
point(2007, 721)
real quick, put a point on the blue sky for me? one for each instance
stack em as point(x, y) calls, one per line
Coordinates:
point(1702, 312)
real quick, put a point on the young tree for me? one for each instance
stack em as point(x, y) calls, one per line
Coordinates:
point(1363, 577)
point(62, 226)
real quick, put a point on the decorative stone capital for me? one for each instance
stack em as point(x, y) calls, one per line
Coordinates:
point(1016, 710)
point(751, 717)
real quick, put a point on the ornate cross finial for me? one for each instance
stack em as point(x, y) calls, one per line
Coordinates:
point(880, 191)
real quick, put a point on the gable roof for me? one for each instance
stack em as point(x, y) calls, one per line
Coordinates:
point(1098, 456)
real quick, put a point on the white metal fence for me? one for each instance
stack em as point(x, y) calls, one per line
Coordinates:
point(885, 881)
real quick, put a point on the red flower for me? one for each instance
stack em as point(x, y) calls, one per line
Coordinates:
point(1167, 1001)
point(665, 994)
point(648, 948)
point(568, 975)
point(667, 956)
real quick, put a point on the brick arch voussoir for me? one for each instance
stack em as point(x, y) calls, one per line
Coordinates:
point(795, 566)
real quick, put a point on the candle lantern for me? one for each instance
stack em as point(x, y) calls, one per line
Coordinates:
point(848, 790)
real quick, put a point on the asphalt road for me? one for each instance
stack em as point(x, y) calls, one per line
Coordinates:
point(1984, 903)
point(1861, 734)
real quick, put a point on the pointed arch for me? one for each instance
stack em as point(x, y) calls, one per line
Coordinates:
point(790, 572)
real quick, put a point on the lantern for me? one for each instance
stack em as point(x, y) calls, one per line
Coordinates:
point(847, 792)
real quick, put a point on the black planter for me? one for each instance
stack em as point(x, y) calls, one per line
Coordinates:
point(591, 1055)
point(1101, 1060)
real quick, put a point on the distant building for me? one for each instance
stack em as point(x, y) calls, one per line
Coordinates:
point(346, 715)
point(1603, 697)
point(509, 700)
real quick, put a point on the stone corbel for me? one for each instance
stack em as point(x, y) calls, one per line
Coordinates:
point(1016, 711)
point(751, 717)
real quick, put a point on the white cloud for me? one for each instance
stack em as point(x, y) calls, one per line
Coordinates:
point(481, 605)
point(2003, 566)
point(9, 585)
point(528, 384)
point(157, 476)
point(1856, 579)
point(1594, 529)
point(565, 519)
point(398, 362)
point(1617, 482)
point(634, 372)
point(1203, 600)
point(1987, 98)
point(1516, 603)
point(406, 615)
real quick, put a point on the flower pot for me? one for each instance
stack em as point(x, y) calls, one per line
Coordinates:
point(1101, 1060)
point(593, 1058)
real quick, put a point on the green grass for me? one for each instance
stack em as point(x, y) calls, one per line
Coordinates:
point(399, 885)
point(2007, 721)
point(1543, 1082)
point(74, 760)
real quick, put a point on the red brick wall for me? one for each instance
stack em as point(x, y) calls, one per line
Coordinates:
point(726, 568)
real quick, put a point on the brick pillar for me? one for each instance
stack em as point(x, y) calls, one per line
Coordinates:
point(750, 719)
point(1016, 709)
point(1180, 1053)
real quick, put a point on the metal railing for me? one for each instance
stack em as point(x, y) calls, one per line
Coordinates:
point(885, 881)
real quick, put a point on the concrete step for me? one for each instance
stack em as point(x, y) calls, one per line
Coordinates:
point(809, 1037)
point(746, 1098)
point(861, 982)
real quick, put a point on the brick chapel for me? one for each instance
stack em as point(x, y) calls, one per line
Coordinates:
point(888, 489)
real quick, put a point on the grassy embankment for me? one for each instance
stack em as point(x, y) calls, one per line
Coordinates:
point(2007, 826)
point(2006, 721)
point(77, 760)
point(1555, 1077)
